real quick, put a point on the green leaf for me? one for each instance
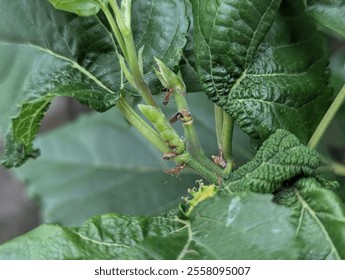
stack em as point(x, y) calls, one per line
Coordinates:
point(280, 158)
point(268, 70)
point(161, 27)
point(329, 13)
point(80, 7)
point(319, 218)
point(217, 229)
point(100, 165)
point(72, 56)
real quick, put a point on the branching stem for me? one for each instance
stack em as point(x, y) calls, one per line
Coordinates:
point(144, 128)
point(194, 155)
point(131, 54)
point(192, 140)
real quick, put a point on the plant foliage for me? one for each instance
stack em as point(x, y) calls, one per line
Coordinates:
point(262, 66)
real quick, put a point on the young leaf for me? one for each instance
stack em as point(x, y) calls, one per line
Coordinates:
point(72, 56)
point(280, 158)
point(267, 70)
point(85, 170)
point(319, 218)
point(217, 229)
point(80, 7)
point(329, 13)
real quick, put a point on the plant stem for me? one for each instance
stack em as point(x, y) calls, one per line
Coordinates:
point(218, 116)
point(132, 57)
point(151, 135)
point(226, 139)
point(328, 117)
point(332, 166)
point(224, 130)
point(115, 29)
point(338, 169)
point(145, 129)
point(136, 72)
point(192, 140)
point(196, 157)
point(198, 167)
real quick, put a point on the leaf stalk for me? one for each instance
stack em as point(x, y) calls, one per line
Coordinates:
point(327, 118)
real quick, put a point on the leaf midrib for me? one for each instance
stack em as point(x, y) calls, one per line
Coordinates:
point(313, 214)
point(101, 243)
point(255, 32)
point(31, 120)
point(73, 63)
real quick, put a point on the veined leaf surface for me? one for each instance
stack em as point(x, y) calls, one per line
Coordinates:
point(319, 218)
point(268, 236)
point(265, 67)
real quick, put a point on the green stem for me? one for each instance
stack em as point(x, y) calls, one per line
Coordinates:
point(338, 169)
point(326, 120)
point(224, 130)
point(198, 167)
point(226, 139)
point(203, 171)
point(146, 130)
point(332, 166)
point(196, 159)
point(218, 116)
point(115, 29)
point(136, 73)
point(132, 57)
point(151, 135)
point(192, 140)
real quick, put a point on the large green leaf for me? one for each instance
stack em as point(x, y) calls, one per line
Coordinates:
point(266, 69)
point(99, 165)
point(329, 13)
point(46, 53)
point(219, 228)
point(319, 217)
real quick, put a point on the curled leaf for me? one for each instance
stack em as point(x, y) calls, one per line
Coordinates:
point(280, 158)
